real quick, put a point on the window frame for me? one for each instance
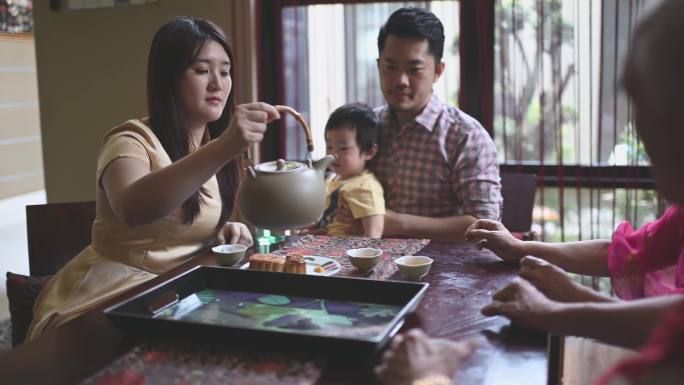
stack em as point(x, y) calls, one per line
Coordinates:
point(476, 95)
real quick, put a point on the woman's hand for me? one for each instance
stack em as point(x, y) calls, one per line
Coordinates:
point(248, 125)
point(235, 232)
point(415, 355)
point(495, 237)
point(524, 305)
point(548, 278)
point(556, 284)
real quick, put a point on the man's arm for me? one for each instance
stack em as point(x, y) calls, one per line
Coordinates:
point(448, 228)
point(475, 180)
point(373, 226)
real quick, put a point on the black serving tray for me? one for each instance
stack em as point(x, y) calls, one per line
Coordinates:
point(140, 316)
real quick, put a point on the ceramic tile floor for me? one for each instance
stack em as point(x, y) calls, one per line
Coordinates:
point(13, 244)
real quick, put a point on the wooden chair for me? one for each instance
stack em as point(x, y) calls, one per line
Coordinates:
point(518, 191)
point(56, 233)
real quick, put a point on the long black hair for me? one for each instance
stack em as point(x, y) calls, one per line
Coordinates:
point(174, 48)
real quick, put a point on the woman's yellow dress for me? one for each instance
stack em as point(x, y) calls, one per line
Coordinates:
point(121, 257)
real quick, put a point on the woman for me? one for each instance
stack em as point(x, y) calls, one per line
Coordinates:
point(642, 263)
point(166, 183)
point(654, 80)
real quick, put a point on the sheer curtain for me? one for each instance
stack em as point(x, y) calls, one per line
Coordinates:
point(329, 59)
point(560, 111)
point(295, 75)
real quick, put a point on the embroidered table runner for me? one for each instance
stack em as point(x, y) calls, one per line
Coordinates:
point(155, 364)
point(336, 248)
point(152, 364)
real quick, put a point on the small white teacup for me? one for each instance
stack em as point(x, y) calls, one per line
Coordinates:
point(414, 267)
point(229, 255)
point(364, 258)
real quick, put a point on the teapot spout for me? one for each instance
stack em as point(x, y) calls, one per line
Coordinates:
point(323, 163)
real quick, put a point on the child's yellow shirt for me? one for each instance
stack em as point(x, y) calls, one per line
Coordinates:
point(361, 196)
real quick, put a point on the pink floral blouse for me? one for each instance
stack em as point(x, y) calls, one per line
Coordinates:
point(663, 350)
point(649, 261)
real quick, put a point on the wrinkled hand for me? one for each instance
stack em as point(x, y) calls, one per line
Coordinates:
point(523, 304)
point(548, 278)
point(234, 232)
point(248, 124)
point(494, 236)
point(555, 283)
point(415, 355)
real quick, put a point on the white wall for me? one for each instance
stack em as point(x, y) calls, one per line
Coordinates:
point(91, 76)
point(21, 161)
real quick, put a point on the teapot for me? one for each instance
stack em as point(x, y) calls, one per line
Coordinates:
point(281, 194)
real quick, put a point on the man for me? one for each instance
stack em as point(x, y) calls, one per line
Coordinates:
point(437, 165)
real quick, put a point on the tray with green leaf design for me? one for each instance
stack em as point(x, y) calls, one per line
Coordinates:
point(327, 316)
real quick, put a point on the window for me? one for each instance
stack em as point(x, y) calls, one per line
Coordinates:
point(560, 111)
point(591, 213)
point(343, 68)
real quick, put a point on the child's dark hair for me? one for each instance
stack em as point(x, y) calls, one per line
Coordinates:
point(362, 118)
point(415, 22)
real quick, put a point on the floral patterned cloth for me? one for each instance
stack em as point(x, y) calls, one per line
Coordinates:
point(179, 365)
point(152, 364)
point(649, 261)
point(336, 248)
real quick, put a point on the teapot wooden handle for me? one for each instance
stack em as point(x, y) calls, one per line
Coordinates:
point(298, 117)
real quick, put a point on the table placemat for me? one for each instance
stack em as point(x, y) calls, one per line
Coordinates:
point(156, 364)
point(336, 247)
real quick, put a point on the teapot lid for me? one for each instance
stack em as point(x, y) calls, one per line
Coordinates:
point(279, 166)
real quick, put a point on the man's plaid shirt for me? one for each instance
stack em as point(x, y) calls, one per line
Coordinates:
point(441, 164)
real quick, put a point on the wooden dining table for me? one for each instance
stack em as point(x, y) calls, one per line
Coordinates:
point(462, 280)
